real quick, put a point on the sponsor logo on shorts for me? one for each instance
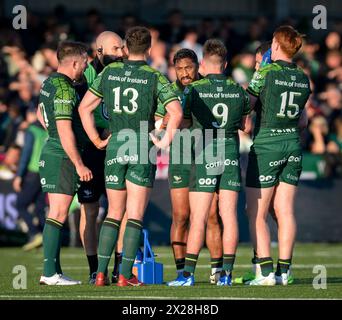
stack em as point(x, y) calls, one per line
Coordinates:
point(140, 179)
point(207, 182)
point(41, 163)
point(112, 179)
point(124, 159)
point(277, 163)
point(47, 186)
point(292, 177)
point(227, 162)
point(234, 183)
point(295, 159)
point(177, 179)
point(266, 179)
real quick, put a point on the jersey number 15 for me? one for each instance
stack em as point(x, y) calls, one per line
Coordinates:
point(287, 100)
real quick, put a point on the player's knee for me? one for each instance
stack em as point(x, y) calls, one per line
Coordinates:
point(180, 220)
point(213, 220)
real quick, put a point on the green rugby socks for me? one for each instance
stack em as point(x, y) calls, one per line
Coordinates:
point(107, 241)
point(131, 243)
point(52, 237)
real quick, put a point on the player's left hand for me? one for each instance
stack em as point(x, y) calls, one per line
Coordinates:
point(103, 143)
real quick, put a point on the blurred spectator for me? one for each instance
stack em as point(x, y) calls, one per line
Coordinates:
point(190, 42)
point(174, 30)
point(206, 30)
point(309, 51)
point(332, 103)
point(331, 69)
point(127, 21)
point(157, 58)
point(48, 50)
point(93, 21)
point(335, 138)
point(27, 181)
point(243, 68)
point(171, 73)
point(12, 125)
point(318, 135)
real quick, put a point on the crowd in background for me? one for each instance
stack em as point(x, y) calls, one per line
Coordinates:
point(28, 56)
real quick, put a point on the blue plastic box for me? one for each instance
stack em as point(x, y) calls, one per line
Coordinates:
point(148, 270)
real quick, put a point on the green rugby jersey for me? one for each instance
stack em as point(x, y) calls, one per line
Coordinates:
point(216, 102)
point(176, 88)
point(131, 91)
point(58, 100)
point(100, 113)
point(282, 89)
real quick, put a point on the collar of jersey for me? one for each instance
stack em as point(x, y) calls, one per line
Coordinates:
point(62, 75)
point(135, 62)
point(285, 63)
point(216, 76)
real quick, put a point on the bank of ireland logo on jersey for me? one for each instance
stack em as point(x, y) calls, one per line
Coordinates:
point(42, 181)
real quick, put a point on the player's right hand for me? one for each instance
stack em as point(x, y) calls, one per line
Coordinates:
point(84, 173)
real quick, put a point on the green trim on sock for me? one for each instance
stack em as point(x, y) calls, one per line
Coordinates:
point(283, 266)
point(228, 262)
point(190, 263)
point(216, 262)
point(266, 265)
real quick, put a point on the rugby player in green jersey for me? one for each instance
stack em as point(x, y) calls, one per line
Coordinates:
point(60, 165)
point(219, 107)
point(186, 66)
point(130, 90)
point(274, 167)
point(109, 47)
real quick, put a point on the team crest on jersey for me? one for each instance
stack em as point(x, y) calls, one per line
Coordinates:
point(104, 111)
point(186, 90)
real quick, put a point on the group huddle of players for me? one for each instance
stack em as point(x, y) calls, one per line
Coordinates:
point(94, 114)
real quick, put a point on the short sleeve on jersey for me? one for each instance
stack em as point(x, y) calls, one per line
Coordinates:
point(96, 87)
point(165, 93)
point(161, 111)
point(258, 81)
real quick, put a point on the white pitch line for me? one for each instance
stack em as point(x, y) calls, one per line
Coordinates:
point(202, 266)
point(207, 255)
point(151, 297)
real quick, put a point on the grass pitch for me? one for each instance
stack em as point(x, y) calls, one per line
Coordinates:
point(74, 264)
